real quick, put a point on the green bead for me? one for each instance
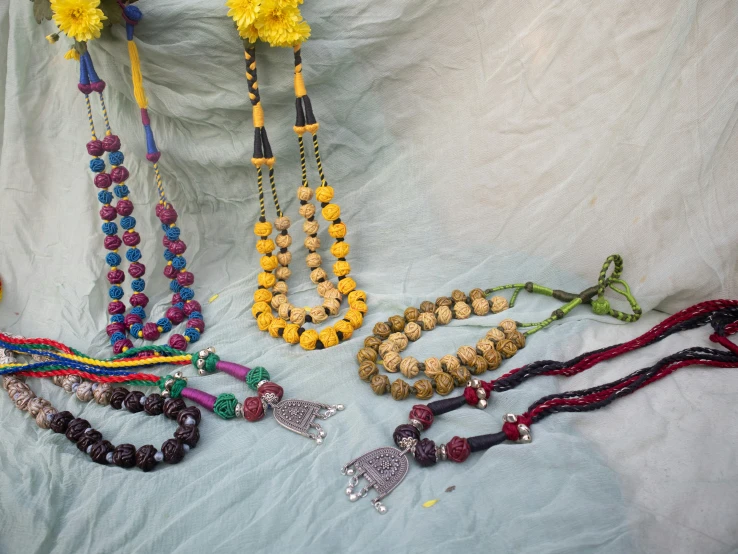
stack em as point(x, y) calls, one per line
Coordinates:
point(225, 405)
point(601, 306)
point(177, 388)
point(256, 375)
point(210, 363)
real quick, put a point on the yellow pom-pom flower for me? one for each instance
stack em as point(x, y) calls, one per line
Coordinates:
point(78, 19)
point(331, 212)
point(341, 269)
point(340, 249)
point(280, 23)
point(324, 194)
point(337, 230)
point(262, 295)
point(269, 263)
point(308, 339)
point(243, 12)
point(249, 33)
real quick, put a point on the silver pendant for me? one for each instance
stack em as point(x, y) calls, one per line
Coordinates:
point(383, 468)
point(299, 417)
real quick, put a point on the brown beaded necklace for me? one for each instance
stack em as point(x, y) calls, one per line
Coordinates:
point(455, 370)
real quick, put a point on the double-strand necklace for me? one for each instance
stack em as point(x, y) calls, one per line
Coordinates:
point(280, 24)
point(385, 468)
point(455, 370)
point(54, 359)
point(91, 441)
point(82, 21)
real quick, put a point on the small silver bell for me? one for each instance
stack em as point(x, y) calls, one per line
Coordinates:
point(482, 404)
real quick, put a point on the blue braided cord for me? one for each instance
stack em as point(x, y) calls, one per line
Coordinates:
point(83, 77)
point(91, 68)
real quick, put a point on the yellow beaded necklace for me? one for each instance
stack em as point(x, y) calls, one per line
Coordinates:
point(279, 23)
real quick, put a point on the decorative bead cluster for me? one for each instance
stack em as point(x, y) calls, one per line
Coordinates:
point(181, 280)
point(425, 451)
point(451, 371)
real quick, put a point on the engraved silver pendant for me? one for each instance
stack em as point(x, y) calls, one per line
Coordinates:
point(299, 416)
point(383, 468)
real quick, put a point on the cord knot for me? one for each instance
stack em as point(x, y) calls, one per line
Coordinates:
point(517, 428)
point(477, 392)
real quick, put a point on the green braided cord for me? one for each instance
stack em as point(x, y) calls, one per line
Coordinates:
point(177, 387)
point(225, 405)
point(514, 297)
point(255, 375)
point(210, 362)
point(503, 287)
point(161, 383)
point(141, 383)
point(625, 291)
point(193, 358)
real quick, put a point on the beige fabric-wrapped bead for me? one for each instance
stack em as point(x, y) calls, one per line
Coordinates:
point(45, 415)
point(498, 304)
point(84, 391)
point(508, 325)
point(305, 194)
point(449, 362)
point(312, 243)
point(432, 367)
point(332, 305)
point(380, 384)
point(102, 393)
point(366, 354)
point(444, 384)
point(412, 331)
point(460, 376)
point(307, 211)
point(427, 321)
point(372, 342)
point(423, 389)
point(476, 294)
point(507, 348)
point(329, 292)
point(479, 366)
point(283, 241)
point(444, 315)
point(313, 260)
point(282, 223)
point(458, 296)
point(400, 390)
point(444, 301)
point(387, 346)
point(480, 306)
point(367, 370)
point(400, 340)
point(462, 310)
point(69, 381)
point(411, 314)
point(318, 315)
point(284, 258)
point(278, 300)
point(427, 307)
point(392, 361)
point(409, 367)
point(310, 227)
point(493, 359)
point(484, 345)
point(9, 380)
point(318, 275)
point(284, 310)
point(35, 405)
point(466, 355)
point(22, 398)
point(517, 337)
point(57, 380)
point(495, 335)
point(297, 316)
point(397, 323)
point(382, 330)
point(282, 273)
point(280, 287)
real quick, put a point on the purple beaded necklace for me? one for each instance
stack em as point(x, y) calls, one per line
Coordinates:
point(183, 303)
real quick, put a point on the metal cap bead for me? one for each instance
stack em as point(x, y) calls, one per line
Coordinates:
point(482, 404)
point(415, 423)
point(481, 394)
point(211, 349)
point(203, 354)
point(260, 383)
point(509, 418)
point(200, 363)
point(238, 410)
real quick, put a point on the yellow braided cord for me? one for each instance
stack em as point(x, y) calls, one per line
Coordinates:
point(274, 192)
point(105, 114)
point(89, 117)
point(303, 164)
point(323, 182)
point(159, 184)
point(126, 363)
point(260, 185)
point(138, 89)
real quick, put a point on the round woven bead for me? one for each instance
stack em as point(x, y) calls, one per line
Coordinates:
point(480, 306)
point(484, 345)
point(449, 362)
point(392, 361)
point(413, 331)
point(400, 390)
point(493, 359)
point(507, 348)
point(84, 391)
point(423, 414)
point(462, 310)
point(495, 334)
point(255, 376)
point(398, 339)
point(425, 452)
point(380, 384)
point(508, 325)
point(423, 389)
point(444, 301)
point(444, 315)
point(409, 367)
point(102, 394)
point(517, 338)
point(372, 342)
point(282, 223)
point(386, 347)
point(427, 307)
point(397, 323)
point(318, 315)
point(460, 375)
point(411, 314)
point(458, 449)
point(458, 296)
point(366, 354)
point(297, 316)
point(466, 355)
point(427, 321)
point(327, 287)
point(367, 370)
point(476, 294)
point(479, 366)
point(305, 194)
point(332, 305)
point(432, 367)
point(382, 330)
point(307, 211)
point(444, 384)
point(498, 304)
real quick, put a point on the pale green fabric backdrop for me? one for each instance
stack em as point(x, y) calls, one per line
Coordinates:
point(470, 144)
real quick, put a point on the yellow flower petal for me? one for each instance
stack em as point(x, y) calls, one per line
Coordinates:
point(430, 503)
point(78, 19)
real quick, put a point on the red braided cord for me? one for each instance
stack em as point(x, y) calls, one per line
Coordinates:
point(47, 342)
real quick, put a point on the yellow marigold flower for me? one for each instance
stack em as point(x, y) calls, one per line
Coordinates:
point(243, 12)
point(52, 38)
point(72, 54)
point(249, 33)
point(78, 19)
point(280, 23)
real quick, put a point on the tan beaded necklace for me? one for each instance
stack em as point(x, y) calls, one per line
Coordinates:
point(451, 371)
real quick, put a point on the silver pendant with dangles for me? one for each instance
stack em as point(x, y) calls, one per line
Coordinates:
point(383, 468)
point(299, 415)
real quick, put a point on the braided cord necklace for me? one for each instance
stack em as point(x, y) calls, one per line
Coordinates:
point(280, 24)
point(183, 303)
point(444, 374)
point(385, 468)
point(54, 359)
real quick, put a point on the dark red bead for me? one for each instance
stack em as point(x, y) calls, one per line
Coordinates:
point(270, 387)
point(112, 242)
point(95, 148)
point(103, 180)
point(192, 306)
point(116, 277)
point(121, 345)
point(423, 414)
point(60, 421)
point(173, 451)
point(154, 404)
point(88, 438)
point(119, 174)
point(405, 431)
point(115, 328)
point(136, 270)
point(108, 213)
point(139, 299)
point(117, 396)
point(185, 278)
point(150, 331)
point(76, 428)
point(124, 455)
point(132, 319)
point(425, 452)
point(145, 457)
point(177, 247)
point(168, 216)
point(190, 411)
point(170, 272)
point(124, 207)
point(177, 341)
point(131, 239)
point(176, 298)
point(175, 315)
point(458, 449)
point(253, 409)
point(172, 407)
point(188, 434)
point(99, 451)
point(132, 401)
point(116, 307)
point(197, 323)
point(111, 143)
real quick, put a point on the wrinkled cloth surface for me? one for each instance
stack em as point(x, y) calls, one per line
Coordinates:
point(470, 144)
